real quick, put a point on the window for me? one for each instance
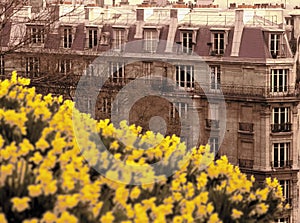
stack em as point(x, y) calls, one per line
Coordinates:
point(32, 67)
point(181, 108)
point(282, 220)
point(219, 43)
point(119, 39)
point(2, 65)
point(150, 40)
point(67, 37)
point(275, 44)
point(279, 80)
point(106, 106)
point(281, 119)
point(36, 35)
point(215, 77)
point(147, 67)
point(187, 42)
point(285, 185)
point(65, 66)
point(214, 145)
point(92, 38)
point(281, 154)
point(117, 71)
point(185, 76)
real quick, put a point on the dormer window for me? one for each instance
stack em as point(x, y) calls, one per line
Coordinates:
point(67, 37)
point(119, 39)
point(150, 40)
point(275, 41)
point(219, 43)
point(219, 40)
point(36, 35)
point(187, 42)
point(92, 37)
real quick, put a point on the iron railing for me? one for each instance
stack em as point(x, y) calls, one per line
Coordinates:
point(281, 127)
point(246, 127)
point(245, 163)
point(282, 164)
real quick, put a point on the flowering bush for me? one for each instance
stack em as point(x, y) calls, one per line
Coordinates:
point(46, 176)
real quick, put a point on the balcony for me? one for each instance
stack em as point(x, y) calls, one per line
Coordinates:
point(281, 127)
point(282, 164)
point(253, 91)
point(245, 163)
point(246, 127)
point(212, 124)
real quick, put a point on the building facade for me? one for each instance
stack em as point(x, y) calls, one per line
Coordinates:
point(243, 60)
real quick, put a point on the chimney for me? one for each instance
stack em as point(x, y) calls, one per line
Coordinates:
point(238, 31)
point(296, 25)
point(173, 13)
point(140, 15)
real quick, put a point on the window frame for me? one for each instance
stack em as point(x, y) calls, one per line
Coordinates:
point(119, 35)
point(187, 42)
point(286, 115)
point(215, 77)
point(278, 77)
point(92, 37)
point(67, 36)
point(217, 45)
point(32, 66)
point(214, 145)
point(64, 66)
point(275, 50)
point(36, 34)
point(151, 38)
point(2, 65)
point(281, 153)
point(117, 72)
point(183, 77)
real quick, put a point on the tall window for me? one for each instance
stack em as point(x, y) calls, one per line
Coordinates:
point(2, 65)
point(281, 119)
point(281, 154)
point(285, 185)
point(150, 40)
point(36, 35)
point(181, 108)
point(214, 145)
point(106, 105)
point(119, 39)
point(32, 67)
point(92, 38)
point(67, 37)
point(279, 80)
point(275, 44)
point(185, 76)
point(215, 77)
point(64, 66)
point(117, 71)
point(147, 68)
point(187, 42)
point(218, 44)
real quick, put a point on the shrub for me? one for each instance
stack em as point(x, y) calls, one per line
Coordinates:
point(50, 153)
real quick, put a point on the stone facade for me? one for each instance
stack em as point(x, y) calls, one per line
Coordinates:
point(234, 70)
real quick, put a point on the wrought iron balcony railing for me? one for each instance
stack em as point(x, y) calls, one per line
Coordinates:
point(282, 164)
point(281, 127)
point(244, 163)
point(246, 127)
point(212, 124)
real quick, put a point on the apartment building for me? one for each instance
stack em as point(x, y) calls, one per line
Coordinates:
point(238, 67)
